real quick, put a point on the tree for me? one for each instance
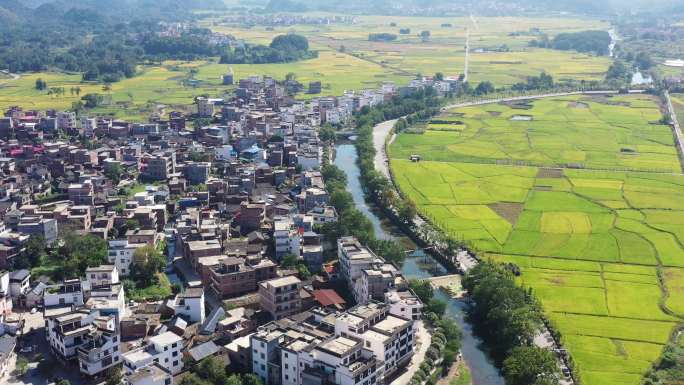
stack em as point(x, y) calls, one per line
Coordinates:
point(201, 122)
point(527, 364)
point(289, 42)
point(251, 379)
point(327, 133)
point(436, 306)
point(147, 262)
point(114, 173)
point(92, 100)
point(303, 272)
point(193, 379)
point(484, 88)
point(644, 61)
point(407, 211)
point(80, 252)
point(214, 371)
point(22, 365)
point(289, 261)
point(422, 288)
point(619, 71)
point(64, 381)
point(114, 376)
point(41, 84)
point(341, 200)
point(33, 254)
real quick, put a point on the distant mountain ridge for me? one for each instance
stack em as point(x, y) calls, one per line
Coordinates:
point(13, 11)
point(587, 7)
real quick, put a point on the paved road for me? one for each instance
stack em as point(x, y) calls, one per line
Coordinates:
point(675, 123)
point(467, 54)
point(380, 133)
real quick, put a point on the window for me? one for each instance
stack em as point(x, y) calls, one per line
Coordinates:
point(175, 354)
point(287, 377)
point(288, 367)
point(166, 348)
point(263, 367)
point(175, 363)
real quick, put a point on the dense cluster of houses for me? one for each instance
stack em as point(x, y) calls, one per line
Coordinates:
point(231, 200)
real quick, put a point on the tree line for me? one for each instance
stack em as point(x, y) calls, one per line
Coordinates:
point(596, 42)
point(352, 222)
point(283, 49)
point(508, 317)
point(100, 48)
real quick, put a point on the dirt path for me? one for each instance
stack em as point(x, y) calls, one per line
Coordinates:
point(454, 372)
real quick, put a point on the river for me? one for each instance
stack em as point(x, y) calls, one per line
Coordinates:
point(419, 265)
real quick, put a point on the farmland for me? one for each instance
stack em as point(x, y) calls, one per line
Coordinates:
point(347, 61)
point(596, 230)
point(176, 84)
point(500, 51)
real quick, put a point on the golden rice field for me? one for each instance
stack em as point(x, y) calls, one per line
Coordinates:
point(445, 50)
point(173, 86)
point(584, 194)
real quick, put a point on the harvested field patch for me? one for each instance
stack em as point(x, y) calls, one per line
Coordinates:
point(508, 211)
point(550, 173)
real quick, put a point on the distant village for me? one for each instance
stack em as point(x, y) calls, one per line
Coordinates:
point(229, 203)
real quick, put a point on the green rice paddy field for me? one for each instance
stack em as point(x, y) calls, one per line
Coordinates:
point(601, 243)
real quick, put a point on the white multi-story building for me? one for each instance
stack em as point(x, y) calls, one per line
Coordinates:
point(390, 338)
point(265, 352)
point(190, 304)
point(149, 375)
point(302, 351)
point(164, 350)
point(404, 304)
point(121, 254)
point(5, 295)
point(8, 357)
point(286, 237)
point(344, 361)
point(88, 125)
point(102, 275)
point(19, 282)
point(108, 299)
point(86, 336)
point(354, 259)
point(101, 349)
point(68, 292)
point(66, 121)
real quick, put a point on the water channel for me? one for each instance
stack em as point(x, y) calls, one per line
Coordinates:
point(419, 265)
